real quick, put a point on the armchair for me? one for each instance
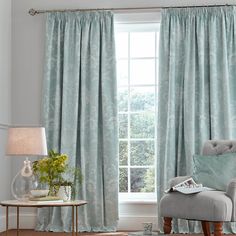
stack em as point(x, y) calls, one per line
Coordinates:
point(210, 206)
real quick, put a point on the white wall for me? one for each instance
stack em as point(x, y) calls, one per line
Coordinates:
point(27, 72)
point(5, 99)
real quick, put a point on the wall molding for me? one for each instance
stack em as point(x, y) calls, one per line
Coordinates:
point(135, 223)
point(28, 221)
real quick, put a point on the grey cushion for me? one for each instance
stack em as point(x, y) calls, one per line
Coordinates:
point(209, 205)
point(217, 147)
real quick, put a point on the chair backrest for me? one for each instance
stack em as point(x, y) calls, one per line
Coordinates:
point(217, 147)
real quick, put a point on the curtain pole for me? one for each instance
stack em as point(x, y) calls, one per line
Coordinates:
point(34, 12)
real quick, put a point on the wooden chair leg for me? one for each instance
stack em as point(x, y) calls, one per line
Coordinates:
point(206, 228)
point(218, 228)
point(167, 225)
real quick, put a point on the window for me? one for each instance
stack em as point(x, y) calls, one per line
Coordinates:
point(137, 63)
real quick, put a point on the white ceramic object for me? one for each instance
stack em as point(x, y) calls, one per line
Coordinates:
point(64, 193)
point(39, 192)
point(147, 228)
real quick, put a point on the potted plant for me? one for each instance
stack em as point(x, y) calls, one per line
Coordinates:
point(72, 178)
point(49, 170)
point(64, 190)
point(54, 171)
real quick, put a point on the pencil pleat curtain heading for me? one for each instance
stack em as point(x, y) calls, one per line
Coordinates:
point(196, 90)
point(80, 114)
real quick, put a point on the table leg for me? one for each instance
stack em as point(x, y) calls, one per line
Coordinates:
point(6, 220)
point(73, 221)
point(18, 220)
point(76, 221)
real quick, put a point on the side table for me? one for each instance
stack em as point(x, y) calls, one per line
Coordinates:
point(15, 203)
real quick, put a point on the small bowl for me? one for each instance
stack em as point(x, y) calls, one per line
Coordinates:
point(39, 192)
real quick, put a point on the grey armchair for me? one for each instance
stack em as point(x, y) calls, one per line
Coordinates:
point(210, 206)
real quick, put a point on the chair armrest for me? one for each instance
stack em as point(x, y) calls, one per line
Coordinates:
point(231, 193)
point(177, 180)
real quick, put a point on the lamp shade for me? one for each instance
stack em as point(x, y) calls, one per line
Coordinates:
point(30, 141)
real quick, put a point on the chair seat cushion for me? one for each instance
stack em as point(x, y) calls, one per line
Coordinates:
point(208, 205)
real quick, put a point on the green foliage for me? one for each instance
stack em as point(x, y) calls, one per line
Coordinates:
point(142, 125)
point(149, 181)
point(142, 153)
point(123, 185)
point(123, 153)
point(55, 171)
point(50, 169)
point(142, 180)
point(142, 100)
point(123, 125)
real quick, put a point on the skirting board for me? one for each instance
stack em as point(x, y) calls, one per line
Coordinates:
point(3, 126)
point(27, 221)
point(134, 223)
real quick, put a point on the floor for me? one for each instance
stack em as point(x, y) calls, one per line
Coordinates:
point(27, 232)
point(34, 233)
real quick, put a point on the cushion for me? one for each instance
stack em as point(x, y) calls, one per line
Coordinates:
point(214, 171)
point(208, 205)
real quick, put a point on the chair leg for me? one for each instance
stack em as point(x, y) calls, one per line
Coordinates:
point(167, 225)
point(206, 228)
point(218, 228)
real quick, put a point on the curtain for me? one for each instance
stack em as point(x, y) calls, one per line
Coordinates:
point(80, 114)
point(196, 95)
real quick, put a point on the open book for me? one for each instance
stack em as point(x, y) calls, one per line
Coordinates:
point(188, 186)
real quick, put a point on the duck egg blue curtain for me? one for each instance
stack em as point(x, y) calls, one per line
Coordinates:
point(80, 114)
point(197, 90)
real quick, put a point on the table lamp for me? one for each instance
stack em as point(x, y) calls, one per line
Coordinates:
point(25, 141)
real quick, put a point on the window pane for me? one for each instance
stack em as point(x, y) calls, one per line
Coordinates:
point(142, 180)
point(122, 45)
point(157, 40)
point(142, 71)
point(142, 98)
point(157, 71)
point(122, 72)
point(123, 187)
point(123, 153)
point(142, 153)
point(137, 73)
point(123, 126)
point(142, 125)
point(142, 44)
point(123, 99)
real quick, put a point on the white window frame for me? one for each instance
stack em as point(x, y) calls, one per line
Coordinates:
point(139, 27)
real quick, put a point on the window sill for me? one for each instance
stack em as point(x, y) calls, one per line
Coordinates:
point(139, 201)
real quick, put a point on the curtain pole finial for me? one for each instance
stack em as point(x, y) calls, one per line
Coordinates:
point(32, 12)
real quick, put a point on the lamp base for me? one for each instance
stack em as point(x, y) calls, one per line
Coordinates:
point(24, 182)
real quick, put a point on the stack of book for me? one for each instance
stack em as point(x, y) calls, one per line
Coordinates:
point(46, 199)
